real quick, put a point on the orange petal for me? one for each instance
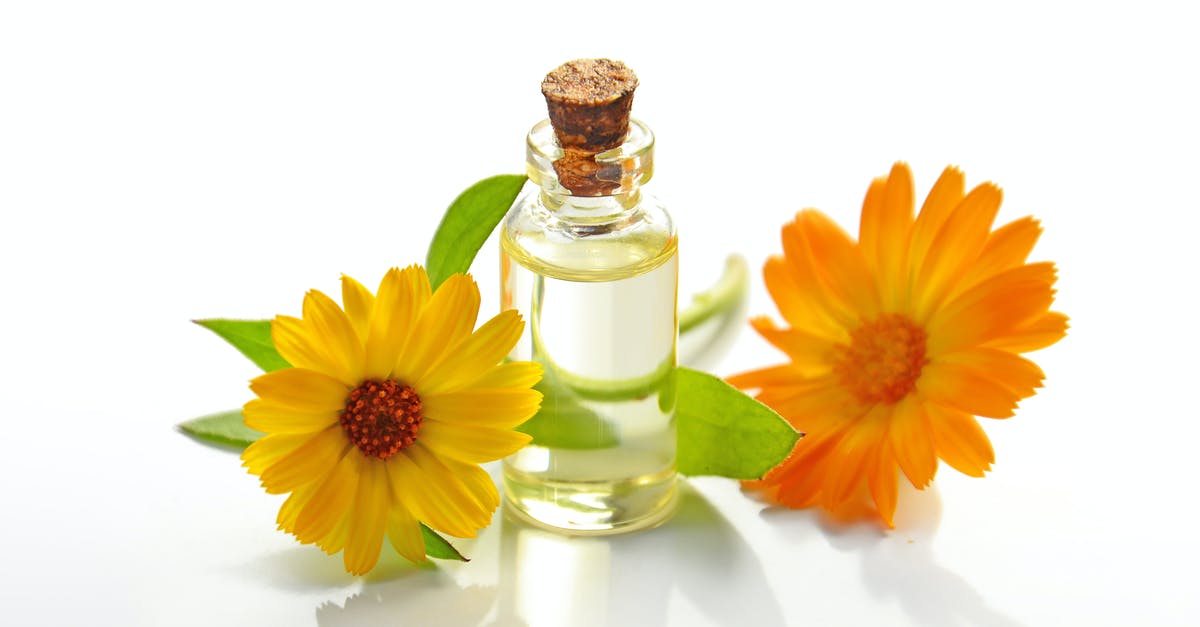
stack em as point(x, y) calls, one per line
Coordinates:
point(883, 482)
point(884, 233)
point(772, 376)
point(1014, 372)
point(1007, 247)
point(997, 307)
point(954, 249)
point(848, 462)
point(797, 301)
point(945, 195)
point(802, 264)
point(804, 349)
point(1037, 334)
point(839, 263)
point(912, 442)
point(962, 388)
point(960, 441)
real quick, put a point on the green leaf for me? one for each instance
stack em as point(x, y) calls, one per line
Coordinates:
point(251, 337)
point(468, 222)
point(724, 432)
point(439, 547)
point(225, 428)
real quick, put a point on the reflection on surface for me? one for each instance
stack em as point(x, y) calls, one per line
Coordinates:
point(548, 579)
point(428, 597)
point(521, 576)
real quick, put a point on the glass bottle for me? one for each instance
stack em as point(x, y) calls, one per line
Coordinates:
point(593, 269)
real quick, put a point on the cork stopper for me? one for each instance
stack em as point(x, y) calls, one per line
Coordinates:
point(589, 101)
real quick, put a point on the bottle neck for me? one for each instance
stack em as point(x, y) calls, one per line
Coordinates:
point(590, 187)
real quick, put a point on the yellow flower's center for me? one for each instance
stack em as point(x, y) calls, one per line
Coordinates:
point(382, 418)
point(884, 359)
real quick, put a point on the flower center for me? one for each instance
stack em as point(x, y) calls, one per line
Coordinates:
point(884, 359)
point(382, 418)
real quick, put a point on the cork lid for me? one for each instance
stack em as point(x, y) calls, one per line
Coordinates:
point(589, 101)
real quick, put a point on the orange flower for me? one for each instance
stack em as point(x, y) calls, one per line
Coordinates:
point(899, 340)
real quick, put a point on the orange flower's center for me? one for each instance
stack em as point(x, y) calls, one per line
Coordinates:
point(884, 359)
point(382, 418)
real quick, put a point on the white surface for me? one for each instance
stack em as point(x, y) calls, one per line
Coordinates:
point(167, 161)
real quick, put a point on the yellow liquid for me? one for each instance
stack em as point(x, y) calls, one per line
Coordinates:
point(603, 324)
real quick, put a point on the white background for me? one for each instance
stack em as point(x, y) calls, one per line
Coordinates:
point(163, 161)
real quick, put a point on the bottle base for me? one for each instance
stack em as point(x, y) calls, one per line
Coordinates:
point(590, 508)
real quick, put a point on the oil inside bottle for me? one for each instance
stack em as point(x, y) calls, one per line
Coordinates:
point(604, 329)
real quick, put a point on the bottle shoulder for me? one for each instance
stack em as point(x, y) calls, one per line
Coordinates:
point(588, 246)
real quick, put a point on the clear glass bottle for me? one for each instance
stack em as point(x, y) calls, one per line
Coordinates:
point(595, 278)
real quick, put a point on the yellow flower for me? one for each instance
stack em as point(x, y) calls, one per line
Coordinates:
point(390, 407)
point(899, 340)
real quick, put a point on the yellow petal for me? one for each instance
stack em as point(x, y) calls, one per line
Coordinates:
point(962, 388)
point(442, 480)
point(515, 374)
point(359, 302)
point(884, 233)
point(502, 408)
point(402, 295)
point(960, 441)
point(271, 418)
point(470, 443)
point(954, 249)
point(418, 490)
point(478, 483)
point(271, 448)
point(445, 322)
point(405, 534)
point(294, 339)
point(289, 512)
point(309, 462)
point(301, 389)
point(475, 356)
point(912, 443)
point(332, 329)
point(368, 519)
point(330, 502)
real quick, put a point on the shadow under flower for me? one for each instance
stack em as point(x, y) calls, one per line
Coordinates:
point(900, 563)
